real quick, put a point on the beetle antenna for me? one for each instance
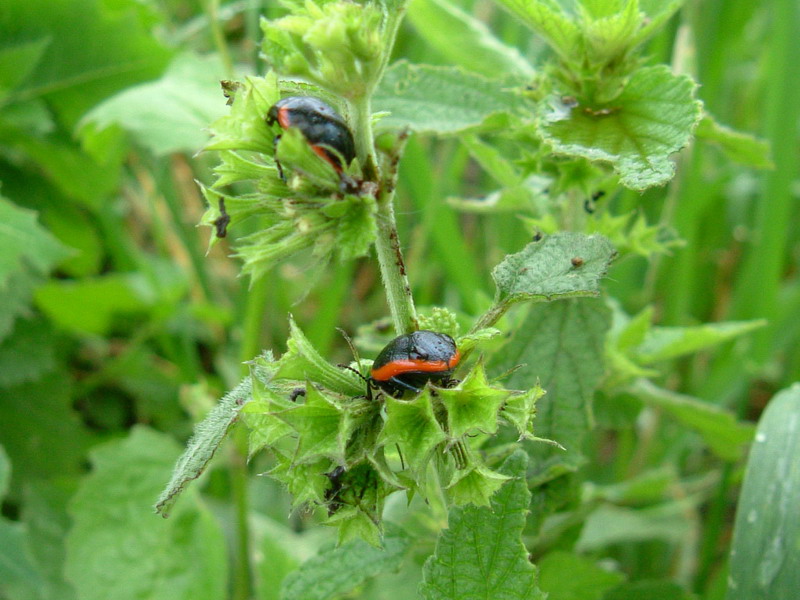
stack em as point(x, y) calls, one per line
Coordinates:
point(350, 343)
point(367, 380)
point(356, 371)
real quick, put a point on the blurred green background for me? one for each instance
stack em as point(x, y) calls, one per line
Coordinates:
point(114, 319)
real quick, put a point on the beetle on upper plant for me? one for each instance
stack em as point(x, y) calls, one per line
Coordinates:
point(323, 128)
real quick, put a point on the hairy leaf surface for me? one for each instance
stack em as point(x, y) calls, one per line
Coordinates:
point(561, 346)
point(336, 571)
point(208, 435)
point(481, 554)
point(636, 133)
point(118, 549)
point(441, 100)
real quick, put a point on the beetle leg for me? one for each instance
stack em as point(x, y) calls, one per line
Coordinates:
point(277, 163)
point(406, 386)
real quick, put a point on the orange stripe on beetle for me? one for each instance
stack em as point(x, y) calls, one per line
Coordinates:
point(327, 157)
point(412, 360)
point(284, 118)
point(400, 366)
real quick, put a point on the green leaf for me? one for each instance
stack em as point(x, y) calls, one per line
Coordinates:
point(481, 554)
point(260, 416)
point(336, 45)
point(245, 127)
point(71, 170)
point(562, 346)
point(208, 435)
point(171, 114)
point(117, 548)
point(566, 576)
point(72, 75)
point(629, 332)
point(303, 363)
point(475, 485)
point(473, 404)
point(548, 20)
point(743, 148)
point(5, 472)
point(17, 60)
point(45, 516)
point(630, 233)
point(355, 524)
point(306, 483)
point(24, 244)
point(356, 228)
point(336, 571)
point(40, 430)
point(413, 426)
point(89, 305)
point(19, 574)
point(75, 228)
point(764, 559)
point(280, 552)
point(294, 152)
point(442, 100)
point(636, 132)
point(658, 13)
point(320, 425)
point(664, 343)
point(609, 525)
point(28, 354)
point(520, 409)
point(726, 436)
point(492, 160)
point(559, 265)
point(608, 36)
point(16, 294)
point(652, 590)
point(648, 488)
point(439, 22)
point(358, 504)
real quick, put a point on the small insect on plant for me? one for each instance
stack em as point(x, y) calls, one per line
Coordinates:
point(323, 127)
point(410, 361)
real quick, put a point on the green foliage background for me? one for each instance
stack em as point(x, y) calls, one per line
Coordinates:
point(118, 331)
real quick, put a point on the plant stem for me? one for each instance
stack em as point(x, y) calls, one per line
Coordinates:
point(393, 270)
point(387, 244)
point(491, 316)
point(253, 316)
point(242, 576)
point(361, 109)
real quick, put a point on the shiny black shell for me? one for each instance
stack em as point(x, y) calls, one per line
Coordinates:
point(409, 361)
point(318, 123)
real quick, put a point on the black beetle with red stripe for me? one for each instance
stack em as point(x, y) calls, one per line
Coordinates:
point(410, 361)
point(322, 126)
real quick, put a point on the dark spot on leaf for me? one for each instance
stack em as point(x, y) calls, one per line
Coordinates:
point(601, 112)
point(569, 101)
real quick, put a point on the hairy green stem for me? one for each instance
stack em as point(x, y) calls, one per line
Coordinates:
point(387, 244)
point(242, 574)
point(393, 270)
point(361, 113)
